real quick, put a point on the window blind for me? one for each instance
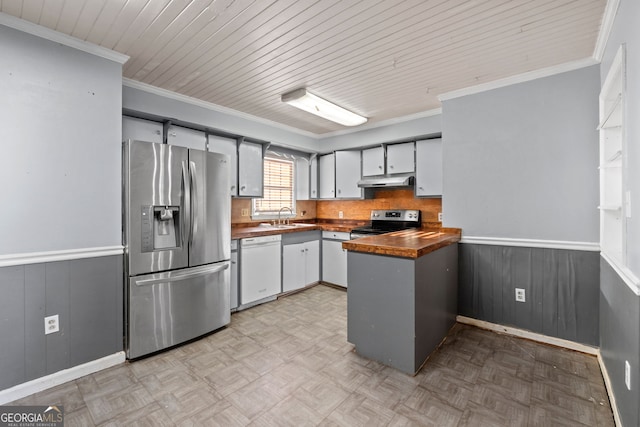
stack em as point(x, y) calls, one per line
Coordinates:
point(278, 187)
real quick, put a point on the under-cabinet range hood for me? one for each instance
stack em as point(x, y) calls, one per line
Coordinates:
point(386, 181)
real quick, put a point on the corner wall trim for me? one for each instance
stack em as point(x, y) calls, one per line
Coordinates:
point(39, 384)
point(625, 274)
point(609, 387)
point(532, 243)
point(54, 36)
point(610, 11)
point(533, 336)
point(63, 255)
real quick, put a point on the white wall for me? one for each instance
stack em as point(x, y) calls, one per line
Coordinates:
point(522, 161)
point(60, 162)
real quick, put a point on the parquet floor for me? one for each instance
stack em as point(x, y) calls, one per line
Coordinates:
point(287, 363)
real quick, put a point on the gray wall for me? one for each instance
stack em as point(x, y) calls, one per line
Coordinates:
point(619, 306)
point(150, 103)
point(85, 293)
point(61, 178)
point(561, 289)
point(522, 161)
point(60, 165)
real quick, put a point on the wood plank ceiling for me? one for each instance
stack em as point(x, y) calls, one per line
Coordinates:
point(380, 58)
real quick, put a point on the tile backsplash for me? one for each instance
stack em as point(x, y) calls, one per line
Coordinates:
point(351, 209)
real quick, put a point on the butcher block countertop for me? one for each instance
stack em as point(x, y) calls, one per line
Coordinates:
point(406, 243)
point(268, 230)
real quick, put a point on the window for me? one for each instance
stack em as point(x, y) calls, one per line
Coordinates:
point(278, 189)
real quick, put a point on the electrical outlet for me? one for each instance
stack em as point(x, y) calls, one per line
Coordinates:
point(627, 374)
point(439, 216)
point(244, 212)
point(340, 214)
point(51, 324)
point(520, 295)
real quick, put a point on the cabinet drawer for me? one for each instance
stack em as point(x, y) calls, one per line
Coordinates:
point(335, 235)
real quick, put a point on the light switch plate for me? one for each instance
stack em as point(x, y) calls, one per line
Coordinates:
point(627, 374)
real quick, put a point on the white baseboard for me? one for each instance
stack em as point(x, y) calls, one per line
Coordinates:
point(533, 336)
point(39, 384)
point(609, 387)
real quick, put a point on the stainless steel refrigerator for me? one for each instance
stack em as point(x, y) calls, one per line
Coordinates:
point(177, 236)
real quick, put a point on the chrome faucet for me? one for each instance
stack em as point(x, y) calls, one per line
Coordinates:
point(280, 212)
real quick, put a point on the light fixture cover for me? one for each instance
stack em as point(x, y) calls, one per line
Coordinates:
point(305, 100)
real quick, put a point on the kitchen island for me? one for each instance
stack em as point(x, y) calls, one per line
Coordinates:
point(402, 294)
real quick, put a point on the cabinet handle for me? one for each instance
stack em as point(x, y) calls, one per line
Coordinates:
point(339, 191)
point(380, 167)
point(158, 132)
point(421, 188)
point(390, 166)
point(244, 187)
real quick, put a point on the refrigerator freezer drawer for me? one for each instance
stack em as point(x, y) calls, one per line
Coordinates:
point(169, 308)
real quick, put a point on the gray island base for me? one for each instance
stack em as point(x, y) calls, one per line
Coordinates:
point(400, 309)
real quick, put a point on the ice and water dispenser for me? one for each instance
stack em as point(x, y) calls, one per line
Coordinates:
point(160, 227)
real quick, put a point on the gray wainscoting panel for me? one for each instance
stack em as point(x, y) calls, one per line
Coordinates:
point(87, 294)
point(561, 288)
point(57, 302)
point(11, 326)
point(620, 340)
point(95, 308)
point(34, 303)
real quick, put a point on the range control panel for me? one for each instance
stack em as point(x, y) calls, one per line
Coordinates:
point(411, 215)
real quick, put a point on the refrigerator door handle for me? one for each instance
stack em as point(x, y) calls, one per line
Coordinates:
point(185, 202)
point(194, 202)
point(175, 277)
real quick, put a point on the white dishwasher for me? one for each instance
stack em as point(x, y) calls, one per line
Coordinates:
point(260, 268)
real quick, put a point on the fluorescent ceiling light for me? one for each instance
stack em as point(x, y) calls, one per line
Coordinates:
point(305, 100)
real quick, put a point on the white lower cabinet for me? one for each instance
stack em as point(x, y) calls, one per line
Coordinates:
point(300, 265)
point(334, 258)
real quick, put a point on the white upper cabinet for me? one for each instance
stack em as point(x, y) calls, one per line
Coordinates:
point(229, 146)
point(185, 137)
point(348, 167)
point(141, 130)
point(302, 178)
point(373, 161)
point(327, 171)
point(400, 158)
point(429, 167)
point(250, 169)
point(313, 178)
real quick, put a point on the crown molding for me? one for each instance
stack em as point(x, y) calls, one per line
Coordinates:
point(57, 37)
point(211, 106)
point(519, 78)
point(610, 11)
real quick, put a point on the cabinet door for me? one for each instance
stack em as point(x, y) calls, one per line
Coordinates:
point(188, 138)
point(302, 179)
point(400, 158)
point(373, 161)
point(312, 262)
point(327, 169)
point(293, 267)
point(348, 167)
point(334, 263)
point(250, 169)
point(229, 146)
point(429, 167)
point(313, 178)
point(141, 130)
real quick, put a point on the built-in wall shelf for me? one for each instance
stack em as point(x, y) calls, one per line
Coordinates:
point(613, 174)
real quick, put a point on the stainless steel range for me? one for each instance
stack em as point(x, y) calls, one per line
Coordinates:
point(386, 221)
